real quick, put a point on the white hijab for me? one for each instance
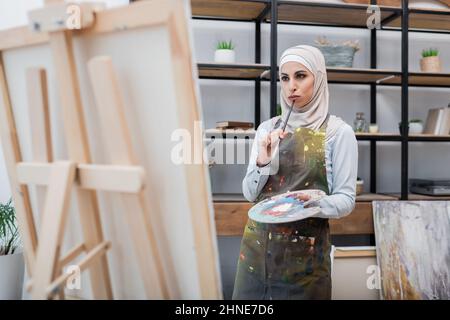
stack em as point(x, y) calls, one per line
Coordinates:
point(314, 113)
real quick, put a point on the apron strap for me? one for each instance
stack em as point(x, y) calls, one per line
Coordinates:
point(323, 126)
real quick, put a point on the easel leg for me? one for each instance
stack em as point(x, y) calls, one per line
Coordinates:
point(76, 135)
point(52, 227)
point(40, 134)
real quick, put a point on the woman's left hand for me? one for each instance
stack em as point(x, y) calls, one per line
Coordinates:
point(303, 196)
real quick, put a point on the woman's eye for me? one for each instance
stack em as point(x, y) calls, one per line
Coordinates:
point(301, 76)
point(284, 79)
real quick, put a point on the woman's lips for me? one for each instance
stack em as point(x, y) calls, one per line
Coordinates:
point(294, 97)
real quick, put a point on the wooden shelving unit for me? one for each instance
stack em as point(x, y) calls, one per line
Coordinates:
point(428, 137)
point(231, 215)
point(228, 9)
point(325, 14)
point(369, 197)
point(328, 14)
point(361, 136)
point(420, 79)
point(382, 77)
point(425, 19)
point(415, 196)
point(231, 71)
point(378, 136)
point(231, 211)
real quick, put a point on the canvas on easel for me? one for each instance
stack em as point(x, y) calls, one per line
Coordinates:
point(111, 94)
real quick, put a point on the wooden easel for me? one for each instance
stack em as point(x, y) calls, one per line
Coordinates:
point(43, 254)
point(122, 174)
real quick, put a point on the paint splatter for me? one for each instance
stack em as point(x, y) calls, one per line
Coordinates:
point(413, 257)
point(286, 206)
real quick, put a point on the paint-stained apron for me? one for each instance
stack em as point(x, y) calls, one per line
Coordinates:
point(289, 260)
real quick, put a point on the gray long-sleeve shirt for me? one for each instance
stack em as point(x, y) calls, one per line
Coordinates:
point(341, 160)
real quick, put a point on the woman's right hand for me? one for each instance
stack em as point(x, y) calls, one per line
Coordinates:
point(267, 145)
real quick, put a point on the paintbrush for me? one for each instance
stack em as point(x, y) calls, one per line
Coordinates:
point(287, 117)
point(275, 151)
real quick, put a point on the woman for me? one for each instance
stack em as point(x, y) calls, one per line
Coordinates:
point(316, 151)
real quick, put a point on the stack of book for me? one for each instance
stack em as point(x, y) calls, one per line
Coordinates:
point(234, 125)
point(438, 121)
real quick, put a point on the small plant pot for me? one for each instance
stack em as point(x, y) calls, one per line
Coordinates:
point(373, 128)
point(359, 187)
point(430, 64)
point(415, 127)
point(224, 55)
point(11, 276)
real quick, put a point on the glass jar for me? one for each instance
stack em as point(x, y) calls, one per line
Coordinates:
point(360, 124)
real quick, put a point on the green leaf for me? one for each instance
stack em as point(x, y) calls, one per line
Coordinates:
point(9, 232)
point(224, 45)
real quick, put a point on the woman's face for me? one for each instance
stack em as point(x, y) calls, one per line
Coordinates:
point(297, 83)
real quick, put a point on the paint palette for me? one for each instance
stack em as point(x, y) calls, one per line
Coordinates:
point(286, 207)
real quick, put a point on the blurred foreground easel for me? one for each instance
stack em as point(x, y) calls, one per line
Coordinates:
point(57, 180)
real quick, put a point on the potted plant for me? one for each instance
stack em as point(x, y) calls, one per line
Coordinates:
point(11, 258)
point(225, 52)
point(338, 55)
point(430, 61)
point(359, 186)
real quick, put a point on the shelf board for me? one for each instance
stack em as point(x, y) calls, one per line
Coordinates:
point(415, 196)
point(429, 137)
point(361, 75)
point(367, 197)
point(424, 19)
point(333, 14)
point(231, 217)
point(231, 70)
point(422, 79)
point(363, 136)
point(355, 15)
point(381, 77)
point(355, 75)
point(397, 137)
point(229, 197)
point(228, 9)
